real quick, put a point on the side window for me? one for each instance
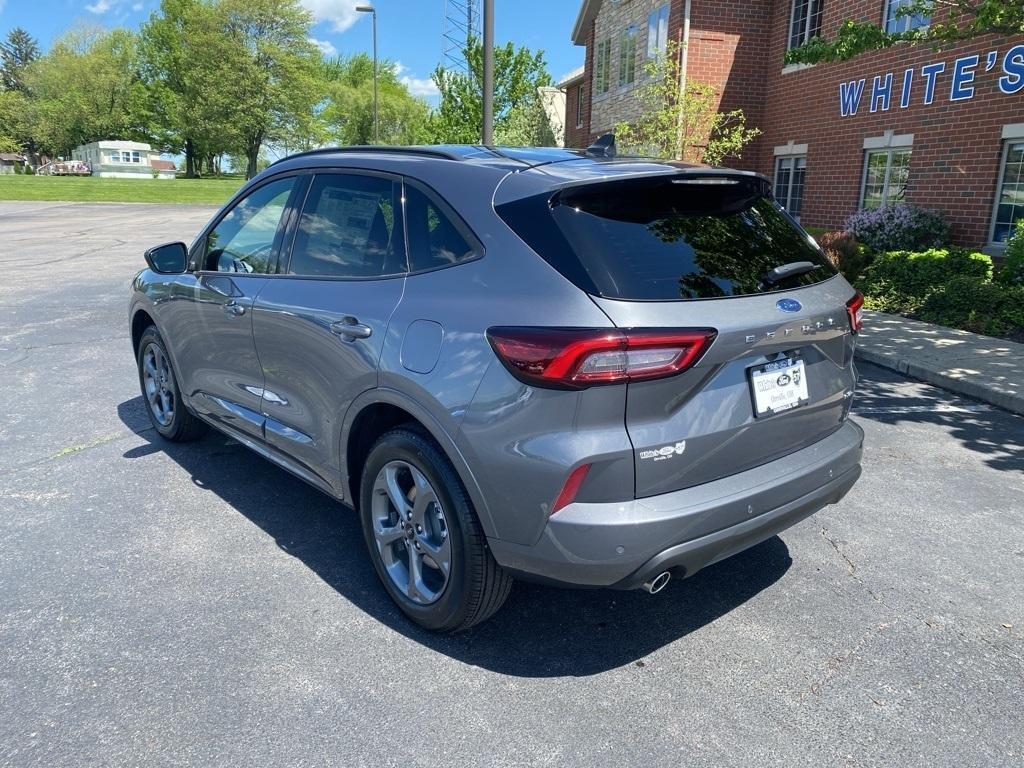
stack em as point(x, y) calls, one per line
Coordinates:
point(434, 240)
point(348, 229)
point(243, 241)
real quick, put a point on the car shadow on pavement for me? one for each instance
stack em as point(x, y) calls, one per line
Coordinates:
point(540, 632)
point(883, 396)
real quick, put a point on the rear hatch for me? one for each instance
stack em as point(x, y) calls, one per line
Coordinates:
point(707, 249)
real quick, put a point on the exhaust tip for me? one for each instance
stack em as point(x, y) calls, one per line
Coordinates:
point(658, 583)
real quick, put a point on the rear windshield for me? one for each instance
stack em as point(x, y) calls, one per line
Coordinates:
point(669, 238)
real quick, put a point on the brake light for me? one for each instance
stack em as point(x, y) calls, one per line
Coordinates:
point(572, 486)
point(853, 310)
point(574, 358)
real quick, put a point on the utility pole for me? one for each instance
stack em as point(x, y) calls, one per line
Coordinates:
point(376, 121)
point(488, 127)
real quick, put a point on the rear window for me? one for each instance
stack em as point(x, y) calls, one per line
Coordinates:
point(669, 238)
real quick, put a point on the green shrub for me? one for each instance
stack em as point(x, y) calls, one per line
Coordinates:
point(901, 281)
point(1012, 271)
point(844, 253)
point(982, 307)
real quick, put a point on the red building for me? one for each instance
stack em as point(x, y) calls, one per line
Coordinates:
point(940, 129)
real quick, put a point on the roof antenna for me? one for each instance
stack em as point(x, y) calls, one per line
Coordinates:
point(603, 146)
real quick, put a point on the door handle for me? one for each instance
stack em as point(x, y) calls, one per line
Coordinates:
point(350, 328)
point(234, 309)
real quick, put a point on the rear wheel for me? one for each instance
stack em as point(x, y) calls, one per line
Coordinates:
point(167, 413)
point(425, 541)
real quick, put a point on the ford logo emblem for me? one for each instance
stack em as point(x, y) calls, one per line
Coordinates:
point(789, 305)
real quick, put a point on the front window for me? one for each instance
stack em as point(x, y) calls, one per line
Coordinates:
point(789, 183)
point(243, 241)
point(896, 23)
point(1010, 202)
point(125, 156)
point(627, 56)
point(602, 66)
point(805, 21)
point(886, 173)
point(657, 32)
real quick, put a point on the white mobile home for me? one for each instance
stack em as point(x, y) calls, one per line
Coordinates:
point(123, 160)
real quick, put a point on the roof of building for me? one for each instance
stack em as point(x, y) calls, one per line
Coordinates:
point(118, 144)
point(10, 157)
point(162, 165)
point(588, 12)
point(569, 79)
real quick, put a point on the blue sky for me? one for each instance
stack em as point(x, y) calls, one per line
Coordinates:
point(409, 31)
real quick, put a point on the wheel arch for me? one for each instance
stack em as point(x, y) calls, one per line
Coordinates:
point(141, 320)
point(375, 412)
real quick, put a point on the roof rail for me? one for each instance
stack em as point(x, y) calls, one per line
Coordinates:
point(383, 149)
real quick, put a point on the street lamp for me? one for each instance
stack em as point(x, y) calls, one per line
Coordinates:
point(376, 122)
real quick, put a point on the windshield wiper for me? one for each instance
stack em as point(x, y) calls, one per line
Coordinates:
point(793, 269)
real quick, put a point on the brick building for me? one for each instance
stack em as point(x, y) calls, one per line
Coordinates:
point(941, 129)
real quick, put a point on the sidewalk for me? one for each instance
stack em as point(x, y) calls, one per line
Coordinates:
point(987, 369)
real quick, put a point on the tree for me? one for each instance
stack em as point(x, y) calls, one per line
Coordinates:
point(518, 73)
point(348, 114)
point(271, 77)
point(87, 88)
point(16, 53)
point(951, 21)
point(186, 61)
point(689, 129)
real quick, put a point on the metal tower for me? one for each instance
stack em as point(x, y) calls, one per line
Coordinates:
point(461, 21)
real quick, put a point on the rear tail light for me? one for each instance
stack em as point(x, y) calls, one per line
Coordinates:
point(574, 358)
point(853, 310)
point(572, 486)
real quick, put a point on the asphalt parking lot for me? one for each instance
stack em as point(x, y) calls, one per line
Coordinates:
point(195, 605)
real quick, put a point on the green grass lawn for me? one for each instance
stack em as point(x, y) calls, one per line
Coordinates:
point(90, 189)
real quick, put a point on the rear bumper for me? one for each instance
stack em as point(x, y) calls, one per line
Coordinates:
point(622, 545)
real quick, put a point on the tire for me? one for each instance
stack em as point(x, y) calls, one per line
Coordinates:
point(474, 586)
point(175, 423)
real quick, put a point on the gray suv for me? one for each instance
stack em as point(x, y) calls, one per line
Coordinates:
point(514, 363)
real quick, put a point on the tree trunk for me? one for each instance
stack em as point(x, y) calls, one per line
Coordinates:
point(209, 166)
point(190, 159)
point(252, 154)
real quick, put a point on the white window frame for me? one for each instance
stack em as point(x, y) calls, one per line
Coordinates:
point(790, 154)
point(627, 64)
point(579, 105)
point(906, 22)
point(812, 7)
point(605, 60)
point(1012, 134)
point(657, 31)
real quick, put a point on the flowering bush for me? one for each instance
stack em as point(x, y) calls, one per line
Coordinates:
point(899, 228)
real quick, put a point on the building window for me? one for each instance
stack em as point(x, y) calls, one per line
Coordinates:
point(886, 172)
point(1010, 201)
point(657, 32)
point(602, 66)
point(894, 23)
point(125, 156)
point(579, 105)
point(627, 56)
point(805, 21)
point(789, 183)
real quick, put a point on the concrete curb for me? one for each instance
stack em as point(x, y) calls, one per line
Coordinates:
point(979, 367)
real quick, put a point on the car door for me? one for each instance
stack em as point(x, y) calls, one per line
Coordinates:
point(216, 351)
point(319, 325)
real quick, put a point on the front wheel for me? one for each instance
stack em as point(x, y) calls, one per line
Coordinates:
point(160, 390)
point(425, 541)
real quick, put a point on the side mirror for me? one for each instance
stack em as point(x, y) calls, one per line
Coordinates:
point(168, 259)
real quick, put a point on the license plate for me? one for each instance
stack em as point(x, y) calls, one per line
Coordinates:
point(780, 385)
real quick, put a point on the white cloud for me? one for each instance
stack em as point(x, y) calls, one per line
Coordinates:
point(100, 6)
point(341, 14)
point(137, 7)
point(325, 46)
point(420, 86)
